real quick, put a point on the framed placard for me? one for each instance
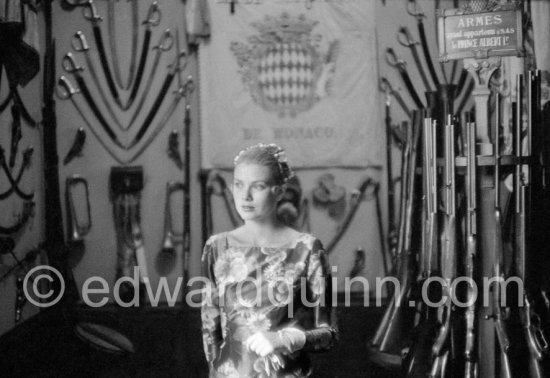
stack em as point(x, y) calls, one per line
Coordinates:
point(464, 34)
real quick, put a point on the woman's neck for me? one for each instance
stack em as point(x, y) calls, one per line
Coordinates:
point(263, 232)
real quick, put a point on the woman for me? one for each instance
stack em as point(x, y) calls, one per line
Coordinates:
point(268, 298)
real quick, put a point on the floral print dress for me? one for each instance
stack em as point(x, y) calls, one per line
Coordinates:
point(254, 289)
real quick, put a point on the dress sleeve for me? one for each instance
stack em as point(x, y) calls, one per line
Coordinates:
point(324, 333)
point(210, 311)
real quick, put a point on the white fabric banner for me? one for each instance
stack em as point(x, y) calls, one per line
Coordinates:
point(302, 74)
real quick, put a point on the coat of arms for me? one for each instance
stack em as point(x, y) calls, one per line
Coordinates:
point(284, 66)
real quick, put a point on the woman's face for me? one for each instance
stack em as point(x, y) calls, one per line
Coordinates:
point(254, 192)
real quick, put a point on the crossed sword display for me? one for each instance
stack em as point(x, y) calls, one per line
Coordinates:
point(67, 90)
point(405, 38)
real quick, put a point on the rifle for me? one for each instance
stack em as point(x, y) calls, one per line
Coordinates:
point(419, 357)
point(535, 339)
point(470, 370)
point(384, 323)
point(499, 312)
point(443, 344)
point(392, 232)
point(389, 335)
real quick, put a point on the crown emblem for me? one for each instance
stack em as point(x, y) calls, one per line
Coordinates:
point(283, 66)
point(284, 28)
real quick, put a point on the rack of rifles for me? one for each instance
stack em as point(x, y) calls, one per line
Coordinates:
point(471, 255)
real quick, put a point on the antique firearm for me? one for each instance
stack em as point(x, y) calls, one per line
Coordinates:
point(499, 313)
point(443, 341)
point(471, 369)
point(419, 356)
point(530, 321)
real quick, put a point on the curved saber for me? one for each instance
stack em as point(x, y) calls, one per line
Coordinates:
point(68, 93)
point(165, 44)
point(404, 37)
point(14, 182)
point(158, 101)
point(80, 44)
point(24, 111)
point(27, 155)
point(153, 19)
point(90, 13)
point(182, 92)
point(393, 61)
point(75, 70)
point(385, 85)
point(69, 64)
point(4, 104)
point(135, 23)
point(113, 42)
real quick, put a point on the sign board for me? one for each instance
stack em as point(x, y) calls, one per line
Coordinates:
point(479, 35)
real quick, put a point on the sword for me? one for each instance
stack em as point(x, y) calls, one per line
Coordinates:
point(135, 22)
point(393, 61)
point(113, 42)
point(182, 92)
point(386, 86)
point(165, 43)
point(69, 65)
point(66, 91)
point(405, 38)
point(24, 112)
point(90, 14)
point(14, 182)
point(153, 19)
point(15, 133)
point(5, 103)
point(80, 44)
point(419, 15)
point(27, 156)
point(158, 101)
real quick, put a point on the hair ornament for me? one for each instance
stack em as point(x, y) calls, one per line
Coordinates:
point(274, 150)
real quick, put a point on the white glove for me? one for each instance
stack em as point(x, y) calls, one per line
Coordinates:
point(263, 343)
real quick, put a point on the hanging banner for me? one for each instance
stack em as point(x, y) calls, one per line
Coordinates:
point(300, 74)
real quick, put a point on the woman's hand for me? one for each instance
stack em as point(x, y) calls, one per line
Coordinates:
point(263, 343)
